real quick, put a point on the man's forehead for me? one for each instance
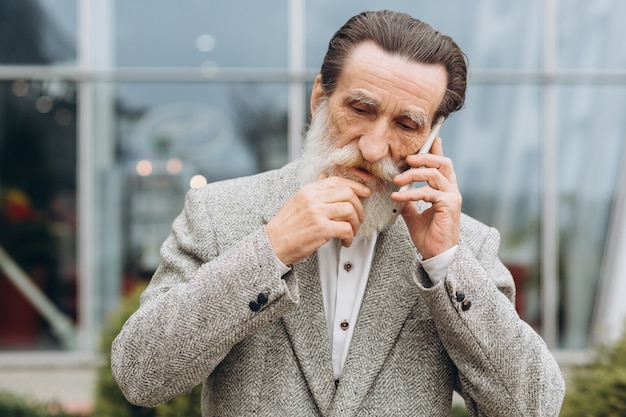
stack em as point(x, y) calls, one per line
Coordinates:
point(376, 75)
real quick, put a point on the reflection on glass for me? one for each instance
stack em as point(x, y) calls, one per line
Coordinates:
point(19, 88)
point(43, 104)
point(38, 32)
point(174, 166)
point(144, 167)
point(499, 172)
point(592, 155)
point(197, 181)
point(591, 35)
point(205, 42)
point(173, 137)
point(487, 30)
point(37, 209)
point(202, 33)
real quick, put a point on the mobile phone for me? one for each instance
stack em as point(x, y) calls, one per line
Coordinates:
point(434, 132)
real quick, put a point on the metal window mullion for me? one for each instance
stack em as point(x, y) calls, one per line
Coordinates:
point(86, 215)
point(297, 86)
point(550, 168)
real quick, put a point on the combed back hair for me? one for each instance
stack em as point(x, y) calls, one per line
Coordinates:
point(402, 35)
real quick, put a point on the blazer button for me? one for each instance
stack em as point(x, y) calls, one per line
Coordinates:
point(262, 298)
point(460, 296)
point(254, 305)
point(465, 305)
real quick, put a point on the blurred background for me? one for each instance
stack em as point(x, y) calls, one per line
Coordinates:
point(111, 110)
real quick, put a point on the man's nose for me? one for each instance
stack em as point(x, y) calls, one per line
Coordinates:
point(374, 143)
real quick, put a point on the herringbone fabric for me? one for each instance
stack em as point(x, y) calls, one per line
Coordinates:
point(413, 344)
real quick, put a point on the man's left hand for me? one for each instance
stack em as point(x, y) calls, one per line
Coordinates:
point(436, 229)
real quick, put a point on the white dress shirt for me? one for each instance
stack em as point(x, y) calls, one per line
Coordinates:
point(343, 273)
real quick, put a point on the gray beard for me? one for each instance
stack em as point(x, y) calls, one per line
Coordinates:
point(322, 156)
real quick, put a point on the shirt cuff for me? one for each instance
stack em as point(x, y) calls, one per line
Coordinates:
point(437, 266)
point(282, 268)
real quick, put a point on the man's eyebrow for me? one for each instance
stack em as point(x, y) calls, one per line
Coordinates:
point(358, 97)
point(420, 119)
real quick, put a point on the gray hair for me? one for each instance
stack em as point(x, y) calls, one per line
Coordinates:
point(403, 35)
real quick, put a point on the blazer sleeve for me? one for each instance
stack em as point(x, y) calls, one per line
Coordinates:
point(504, 367)
point(197, 306)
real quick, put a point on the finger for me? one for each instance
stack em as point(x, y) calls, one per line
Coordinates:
point(345, 211)
point(437, 179)
point(427, 168)
point(359, 189)
point(425, 159)
point(343, 231)
point(330, 189)
point(431, 176)
point(348, 238)
point(343, 190)
point(318, 198)
point(411, 213)
point(437, 198)
point(351, 201)
point(437, 148)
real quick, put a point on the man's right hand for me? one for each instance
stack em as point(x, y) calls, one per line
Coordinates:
point(325, 209)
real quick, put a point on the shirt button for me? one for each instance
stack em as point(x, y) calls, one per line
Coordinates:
point(347, 266)
point(344, 325)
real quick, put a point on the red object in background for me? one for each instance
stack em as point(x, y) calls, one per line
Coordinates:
point(18, 207)
point(519, 276)
point(18, 318)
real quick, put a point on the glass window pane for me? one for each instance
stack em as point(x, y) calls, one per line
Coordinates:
point(487, 30)
point(201, 33)
point(37, 207)
point(591, 34)
point(38, 32)
point(170, 137)
point(495, 144)
point(592, 153)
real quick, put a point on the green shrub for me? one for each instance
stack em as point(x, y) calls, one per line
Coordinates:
point(459, 410)
point(598, 389)
point(109, 400)
point(12, 405)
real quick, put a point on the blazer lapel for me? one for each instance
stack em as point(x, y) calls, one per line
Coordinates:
point(306, 326)
point(306, 323)
point(389, 298)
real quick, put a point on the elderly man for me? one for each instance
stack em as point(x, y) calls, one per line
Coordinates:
point(302, 292)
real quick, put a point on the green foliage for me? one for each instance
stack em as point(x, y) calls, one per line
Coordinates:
point(109, 400)
point(598, 389)
point(14, 406)
point(459, 410)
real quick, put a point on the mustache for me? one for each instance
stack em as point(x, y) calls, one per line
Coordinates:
point(351, 157)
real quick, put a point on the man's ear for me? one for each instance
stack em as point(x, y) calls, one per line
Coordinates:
point(316, 94)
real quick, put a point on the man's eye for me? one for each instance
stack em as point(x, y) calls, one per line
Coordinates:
point(407, 126)
point(359, 110)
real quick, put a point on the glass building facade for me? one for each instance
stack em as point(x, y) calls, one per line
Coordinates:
point(111, 110)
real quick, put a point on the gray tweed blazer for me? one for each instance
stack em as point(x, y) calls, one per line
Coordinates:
point(414, 343)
